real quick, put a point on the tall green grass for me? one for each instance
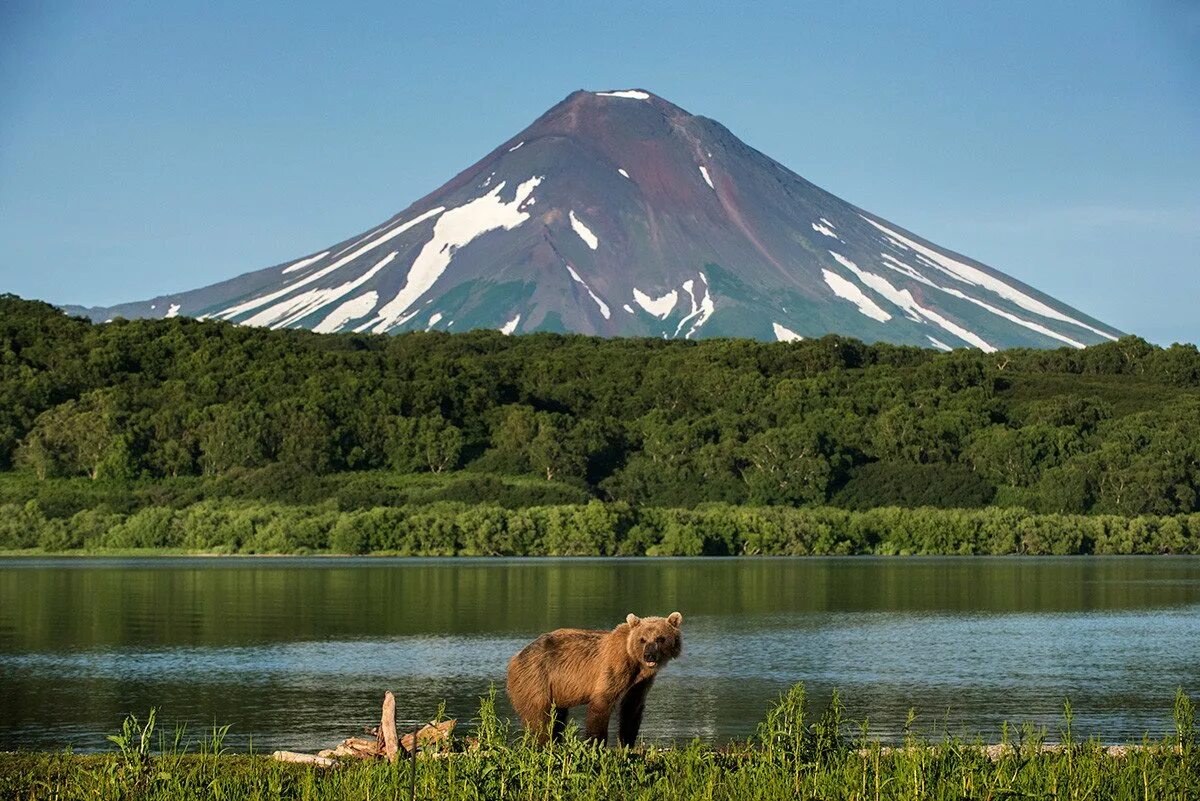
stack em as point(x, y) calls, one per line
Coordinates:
point(795, 754)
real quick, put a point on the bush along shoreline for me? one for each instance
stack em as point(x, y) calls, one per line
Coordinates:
point(595, 528)
point(796, 753)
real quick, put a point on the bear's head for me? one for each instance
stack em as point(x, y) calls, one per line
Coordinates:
point(654, 641)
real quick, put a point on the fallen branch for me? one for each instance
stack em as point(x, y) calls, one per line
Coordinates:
point(304, 759)
point(429, 735)
point(356, 748)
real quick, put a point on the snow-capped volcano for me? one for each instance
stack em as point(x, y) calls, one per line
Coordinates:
point(617, 213)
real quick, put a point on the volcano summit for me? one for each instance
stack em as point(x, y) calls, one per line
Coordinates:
point(620, 214)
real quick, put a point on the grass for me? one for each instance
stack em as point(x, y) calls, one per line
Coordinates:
point(792, 756)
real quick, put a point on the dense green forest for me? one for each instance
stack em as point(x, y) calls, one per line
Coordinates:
point(546, 418)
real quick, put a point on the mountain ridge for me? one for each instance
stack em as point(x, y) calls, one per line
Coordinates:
point(618, 213)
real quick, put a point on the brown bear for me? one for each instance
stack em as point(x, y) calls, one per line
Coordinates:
point(571, 667)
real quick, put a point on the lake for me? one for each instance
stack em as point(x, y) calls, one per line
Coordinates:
point(297, 652)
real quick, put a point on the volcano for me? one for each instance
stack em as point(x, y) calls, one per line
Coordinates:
point(617, 213)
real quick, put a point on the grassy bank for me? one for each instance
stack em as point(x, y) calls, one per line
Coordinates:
point(792, 756)
point(451, 528)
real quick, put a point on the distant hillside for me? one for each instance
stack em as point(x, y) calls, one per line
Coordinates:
point(1111, 428)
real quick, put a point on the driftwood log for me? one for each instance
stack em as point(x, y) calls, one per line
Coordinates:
point(305, 759)
point(429, 735)
point(384, 743)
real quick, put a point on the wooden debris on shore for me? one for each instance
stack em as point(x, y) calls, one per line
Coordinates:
point(385, 742)
point(305, 759)
point(428, 736)
point(387, 727)
point(998, 751)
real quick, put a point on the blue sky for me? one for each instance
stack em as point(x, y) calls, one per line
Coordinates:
point(155, 147)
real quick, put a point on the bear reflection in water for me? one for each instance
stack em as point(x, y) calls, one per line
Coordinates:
point(574, 667)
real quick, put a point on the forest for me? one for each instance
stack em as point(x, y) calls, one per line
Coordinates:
point(131, 414)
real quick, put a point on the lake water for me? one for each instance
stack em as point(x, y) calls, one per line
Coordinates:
point(297, 653)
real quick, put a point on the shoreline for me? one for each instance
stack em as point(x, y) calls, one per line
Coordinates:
point(166, 553)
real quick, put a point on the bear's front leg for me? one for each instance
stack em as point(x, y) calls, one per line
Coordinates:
point(632, 707)
point(596, 725)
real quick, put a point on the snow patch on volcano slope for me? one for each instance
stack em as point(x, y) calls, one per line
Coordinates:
point(517, 146)
point(241, 308)
point(585, 233)
point(173, 310)
point(510, 326)
point(660, 307)
point(300, 265)
point(603, 306)
point(701, 309)
point(631, 94)
point(784, 334)
point(976, 277)
point(937, 343)
point(822, 229)
point(893, 263)
point(373, 232)
point(622, 171)
point(1030, 324)
point(905, 300)
point(848, 290)
point(456, 228)
point(688, 287)
point(911, 272)
point(707, 180)
point(707, 307)
point(300, 306)
point(349, 311)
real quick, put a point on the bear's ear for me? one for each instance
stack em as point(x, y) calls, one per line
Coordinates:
point(632, 619)
point(675, 619)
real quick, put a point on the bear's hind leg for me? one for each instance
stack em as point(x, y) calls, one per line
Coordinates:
point(546, 724)
point(559, 724)
point(535, 711)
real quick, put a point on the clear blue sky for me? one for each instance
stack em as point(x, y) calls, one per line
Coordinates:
point(148, 147)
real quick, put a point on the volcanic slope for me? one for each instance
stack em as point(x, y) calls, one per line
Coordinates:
point(620, 214)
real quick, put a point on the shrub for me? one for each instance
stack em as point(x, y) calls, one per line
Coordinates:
point(21, 525)
point(152, 527)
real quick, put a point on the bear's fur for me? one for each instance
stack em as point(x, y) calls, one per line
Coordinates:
point(573, 667)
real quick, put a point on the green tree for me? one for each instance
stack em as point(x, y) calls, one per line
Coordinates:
point(552, 450)
point(74, 437)
point(787, 466)
point(231, 436)
point(426, 443)
point(439, 443)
